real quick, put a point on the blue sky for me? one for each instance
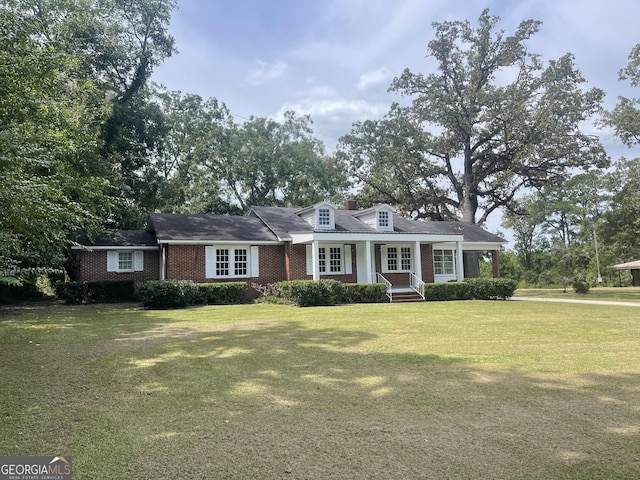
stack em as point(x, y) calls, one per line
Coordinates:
point(335, 59)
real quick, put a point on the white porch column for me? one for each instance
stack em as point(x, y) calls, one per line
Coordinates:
point(418, 261)
point(315, 254)
point(459, 261)
point(163, 262)
point(367, 259)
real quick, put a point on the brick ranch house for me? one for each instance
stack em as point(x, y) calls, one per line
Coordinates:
point(272, 244)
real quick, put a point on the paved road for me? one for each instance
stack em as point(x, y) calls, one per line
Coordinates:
point(571, 300)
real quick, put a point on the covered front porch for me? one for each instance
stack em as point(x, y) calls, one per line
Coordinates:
point(400, 261)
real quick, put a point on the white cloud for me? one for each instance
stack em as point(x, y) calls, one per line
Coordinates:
point(333, 118)
point(264, 72)
point(317, 91)
point(337, 108)
point(374, 77)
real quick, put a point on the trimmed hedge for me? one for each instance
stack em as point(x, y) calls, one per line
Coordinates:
point(96, 292)
point(228, 293)
point(440, 292)
point(307, 293)
point(365, 293)
point(472, 288)
point(491, 288)
point(165, 294)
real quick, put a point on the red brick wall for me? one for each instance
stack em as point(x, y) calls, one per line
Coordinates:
point(298, 263)
point(93, 268)
point(272, 264)
point(426, 257)
point(187, 262)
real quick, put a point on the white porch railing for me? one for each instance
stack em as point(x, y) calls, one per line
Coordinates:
point(416, 284)
point(381, 279)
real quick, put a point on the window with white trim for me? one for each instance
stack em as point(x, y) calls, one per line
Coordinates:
point(322, 260)
point(392, 259)
point(332, 260)
point(335, 259)
point(396, 258)
point(222, 262)
point(324, 218)
point(405, 259)
point(444, 261)
point(383, 219)
point(231, 261)
point(123, 261)
point(240, 262)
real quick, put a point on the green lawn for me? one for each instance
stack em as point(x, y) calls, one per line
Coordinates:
point(457, 390)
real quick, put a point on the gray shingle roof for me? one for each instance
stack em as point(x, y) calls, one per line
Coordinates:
point(174, 227)
point(269, 224)
point(284, 221)
point(122, 238)
point(473, 233)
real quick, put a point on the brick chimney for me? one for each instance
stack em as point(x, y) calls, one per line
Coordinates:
point(351, 205)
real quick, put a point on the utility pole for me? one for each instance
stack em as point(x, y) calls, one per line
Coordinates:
point(595, 238)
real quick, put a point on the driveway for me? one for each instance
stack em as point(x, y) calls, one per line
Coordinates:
point(571, 300)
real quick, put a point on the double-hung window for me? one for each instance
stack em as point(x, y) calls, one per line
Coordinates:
point(335, 260)
point(324, 218)
point(231, 261)
point(444, 262)
point(123, 261)
point(405, 259)
point(332, 260)
point(383, 219)
point(396, 258)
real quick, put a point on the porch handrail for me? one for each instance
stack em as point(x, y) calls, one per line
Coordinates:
point(416, 284)
point(381, 279)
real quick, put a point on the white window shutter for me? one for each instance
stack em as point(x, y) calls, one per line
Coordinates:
point(210, 262)
point(255, 262)
point(112, 261)
point(138, 260)
point(309, 260)
point(347, 260)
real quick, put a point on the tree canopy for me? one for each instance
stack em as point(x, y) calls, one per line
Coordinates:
point(489, 122)
point(88, 142)
point(47, 137)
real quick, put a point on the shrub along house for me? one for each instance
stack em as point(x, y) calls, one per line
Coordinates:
point(273, 244)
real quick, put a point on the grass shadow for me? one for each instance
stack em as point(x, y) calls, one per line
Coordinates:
point(226, 393)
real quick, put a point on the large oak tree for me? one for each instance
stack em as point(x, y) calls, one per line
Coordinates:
point(489, 121)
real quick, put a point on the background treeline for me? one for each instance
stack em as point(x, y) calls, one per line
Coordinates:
point(88, 142)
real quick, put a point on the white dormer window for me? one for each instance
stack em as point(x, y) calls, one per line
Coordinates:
point(379, 217)
point(320, 216)
point(383, 219)
point(324, 218)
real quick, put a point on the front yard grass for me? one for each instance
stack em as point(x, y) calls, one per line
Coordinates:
point(499, 390)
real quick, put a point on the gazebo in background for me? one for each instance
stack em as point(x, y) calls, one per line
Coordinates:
point(634, 267)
